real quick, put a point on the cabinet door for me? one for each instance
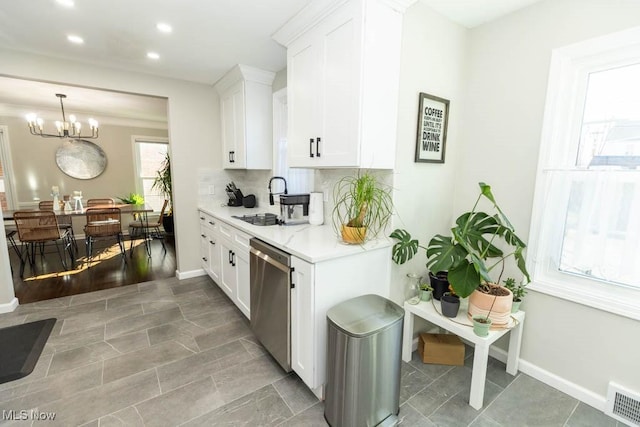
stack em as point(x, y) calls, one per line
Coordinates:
point(303, 99)
point(339, 127)
point(228, 279)
point(233, 131)
point(204, 250)
point(215, 258)
point(243, 301)
point(302, 321)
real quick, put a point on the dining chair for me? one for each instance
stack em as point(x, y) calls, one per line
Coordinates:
point(103, 223)
point(148, 231)
point(37, 228)
point(64, 221)
point(100, 202)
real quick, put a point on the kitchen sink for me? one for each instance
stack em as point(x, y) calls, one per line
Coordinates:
point(259, 219)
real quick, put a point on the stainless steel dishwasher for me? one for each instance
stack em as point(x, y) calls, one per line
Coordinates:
point(270, 270)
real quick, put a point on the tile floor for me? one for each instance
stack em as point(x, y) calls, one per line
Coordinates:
point(169, 353)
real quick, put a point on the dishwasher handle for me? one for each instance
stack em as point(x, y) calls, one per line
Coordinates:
point(269, 260)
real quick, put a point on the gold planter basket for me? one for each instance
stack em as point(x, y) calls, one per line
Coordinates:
point(353, 235)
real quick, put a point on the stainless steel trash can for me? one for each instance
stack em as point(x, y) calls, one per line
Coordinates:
point(364, 348)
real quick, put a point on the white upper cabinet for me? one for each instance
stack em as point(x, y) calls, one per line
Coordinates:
point(343, 67)
point(246, 118)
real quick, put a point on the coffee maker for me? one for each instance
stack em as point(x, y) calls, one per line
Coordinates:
point(294, 209)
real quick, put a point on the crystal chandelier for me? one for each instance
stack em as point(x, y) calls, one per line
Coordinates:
point(66, 129)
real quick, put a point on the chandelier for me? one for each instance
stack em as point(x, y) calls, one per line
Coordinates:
point(66, 129)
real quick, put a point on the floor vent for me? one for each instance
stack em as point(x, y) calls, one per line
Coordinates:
point(623, 405)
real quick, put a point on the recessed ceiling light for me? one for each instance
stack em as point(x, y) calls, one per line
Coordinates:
point(75, 39)
point(66, 3)
point(163, 27)
point(153, 55)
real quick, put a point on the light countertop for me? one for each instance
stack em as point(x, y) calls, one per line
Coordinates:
point(312, 243)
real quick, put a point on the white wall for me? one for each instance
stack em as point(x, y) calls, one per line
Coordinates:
point(194, 129)
point(508, 63)
point(423, 191)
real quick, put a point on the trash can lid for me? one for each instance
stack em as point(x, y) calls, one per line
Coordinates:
point(365, 315)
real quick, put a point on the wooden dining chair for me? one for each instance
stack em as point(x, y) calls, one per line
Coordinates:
point(103, 223)
point(37, 228)
point(100, 202)
point(148, 231)
point(64, 221)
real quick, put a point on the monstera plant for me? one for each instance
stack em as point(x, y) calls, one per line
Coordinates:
point(479, 242)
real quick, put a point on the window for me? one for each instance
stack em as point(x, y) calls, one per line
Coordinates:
point(149, 155)
point(7, 200)
point(585, 237)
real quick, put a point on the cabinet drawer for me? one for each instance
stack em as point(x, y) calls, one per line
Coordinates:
point(242, 239)
point(207, 220)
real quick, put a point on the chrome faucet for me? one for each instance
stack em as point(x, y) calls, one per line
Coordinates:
point(271, 202)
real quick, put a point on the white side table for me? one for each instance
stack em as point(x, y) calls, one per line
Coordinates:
point(458, 326)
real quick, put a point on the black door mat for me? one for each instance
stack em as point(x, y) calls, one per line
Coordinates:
point(20, 348)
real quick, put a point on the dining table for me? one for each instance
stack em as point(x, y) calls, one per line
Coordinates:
point(139, 212)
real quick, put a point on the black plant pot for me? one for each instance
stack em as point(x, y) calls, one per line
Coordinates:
point(439, 283)
point(450, 305)
point(167, 224)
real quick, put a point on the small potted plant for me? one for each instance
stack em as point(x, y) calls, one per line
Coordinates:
point(362, 207)
point(518, 290)
point(478, 243)
point(425, 292)
point(132, 199)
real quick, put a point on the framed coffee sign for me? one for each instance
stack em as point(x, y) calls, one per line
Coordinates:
point(433, 114)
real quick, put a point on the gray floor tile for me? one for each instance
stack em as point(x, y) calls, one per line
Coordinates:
point(149, 294)
point(456, 411)
point(412, 381)
point(8, 319)
point(130, 342)
point(103, 294)
point(81, 356)
point(193, 284)
point(57, 342)
point(181, 331)
point(455, 381)
point(205, 363)
point(150, 307)
point(141, 360)
point(204, 305)
point(103, 400)
point(253, 346)
point(312, 417)
point(223, 334)
point(586, 416)
point(92, 320)
point(484, 421)
point(545, 405)
point(127, 325)
point(295, 393)
point(431, 370)
point(67, 312)
point(39, 392)
point(127, 417)
point(409, 417)
point(247, 377)
point(184, 403)
point(263, 407)
point(496, 371)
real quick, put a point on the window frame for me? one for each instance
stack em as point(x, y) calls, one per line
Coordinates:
point(136, 139)
point(564, 108)
point(7, 165)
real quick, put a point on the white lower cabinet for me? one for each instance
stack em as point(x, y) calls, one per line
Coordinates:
point(225, 258)
point(317, 288)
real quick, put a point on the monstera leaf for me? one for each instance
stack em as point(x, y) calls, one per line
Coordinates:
point(443, 253)
point(464, 278)
point(406, 247)
point(471, 230)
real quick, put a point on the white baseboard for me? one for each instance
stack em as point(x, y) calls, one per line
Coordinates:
point(181, 275)
point(574, 390)
point(10, 306)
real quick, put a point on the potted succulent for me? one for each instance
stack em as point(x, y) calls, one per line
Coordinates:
point(518, 290)
point(469, 254)
point(362, 207)
point(425, 292)
point(162, 183)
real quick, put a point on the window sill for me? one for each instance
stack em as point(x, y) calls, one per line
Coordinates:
point(610, 298)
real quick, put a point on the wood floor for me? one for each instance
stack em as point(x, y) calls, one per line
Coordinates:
point(108, 270)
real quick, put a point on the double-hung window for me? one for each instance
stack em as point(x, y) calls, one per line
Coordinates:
point(149, 153)
point(585, 235)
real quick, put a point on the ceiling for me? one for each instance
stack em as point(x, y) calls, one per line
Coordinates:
point(208, 38)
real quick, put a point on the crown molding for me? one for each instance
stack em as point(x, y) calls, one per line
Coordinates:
point(244, 72)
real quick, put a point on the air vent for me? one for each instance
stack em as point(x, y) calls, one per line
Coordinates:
point(623, 405)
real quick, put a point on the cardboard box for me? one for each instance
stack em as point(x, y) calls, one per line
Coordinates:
point(442, 349)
